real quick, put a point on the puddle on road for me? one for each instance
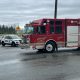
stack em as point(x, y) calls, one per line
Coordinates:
point(60, 76)
point(34, 55)
point(9, 62)
point(31, 56)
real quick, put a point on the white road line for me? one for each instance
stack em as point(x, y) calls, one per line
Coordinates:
point(2, 63)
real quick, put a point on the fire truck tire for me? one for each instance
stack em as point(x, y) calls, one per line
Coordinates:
point(50, 47)
point(40, 50)
point(78, 48)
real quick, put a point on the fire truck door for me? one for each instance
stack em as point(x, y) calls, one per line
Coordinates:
point(72, 36)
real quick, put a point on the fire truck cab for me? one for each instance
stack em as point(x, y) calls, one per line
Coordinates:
point(50, 34)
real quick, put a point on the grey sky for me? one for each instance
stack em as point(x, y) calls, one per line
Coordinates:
point(22, 11)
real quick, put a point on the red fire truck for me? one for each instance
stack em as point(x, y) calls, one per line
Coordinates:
point(50, 34)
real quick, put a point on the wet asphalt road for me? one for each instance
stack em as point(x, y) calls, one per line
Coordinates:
point(21, 64)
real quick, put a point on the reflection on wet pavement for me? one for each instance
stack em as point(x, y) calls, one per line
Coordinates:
point(63, 54)
point(16, 64)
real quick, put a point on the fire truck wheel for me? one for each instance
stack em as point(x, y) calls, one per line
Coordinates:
point(50, 47)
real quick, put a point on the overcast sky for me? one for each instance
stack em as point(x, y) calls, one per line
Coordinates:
point(22, 11)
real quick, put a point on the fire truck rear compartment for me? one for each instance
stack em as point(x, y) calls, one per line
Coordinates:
point(72, 36)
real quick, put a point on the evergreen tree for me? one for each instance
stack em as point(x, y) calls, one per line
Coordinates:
point(7, 30)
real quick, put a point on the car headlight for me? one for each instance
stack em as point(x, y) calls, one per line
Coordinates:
point(16, 41)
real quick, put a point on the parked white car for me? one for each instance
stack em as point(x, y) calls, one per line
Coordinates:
point(0, 39)
point(12, 40)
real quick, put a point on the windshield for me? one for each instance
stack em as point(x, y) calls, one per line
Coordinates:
point(15, 37)
point(29, 30)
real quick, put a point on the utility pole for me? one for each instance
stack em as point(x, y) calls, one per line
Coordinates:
point(55, 11)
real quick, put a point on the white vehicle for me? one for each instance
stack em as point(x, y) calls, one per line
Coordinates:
point(12, 40)
point(0, 39)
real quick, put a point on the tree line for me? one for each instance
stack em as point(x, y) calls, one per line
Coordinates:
point(7, 29)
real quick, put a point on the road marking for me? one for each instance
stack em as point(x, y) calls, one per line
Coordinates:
point(2, 63)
